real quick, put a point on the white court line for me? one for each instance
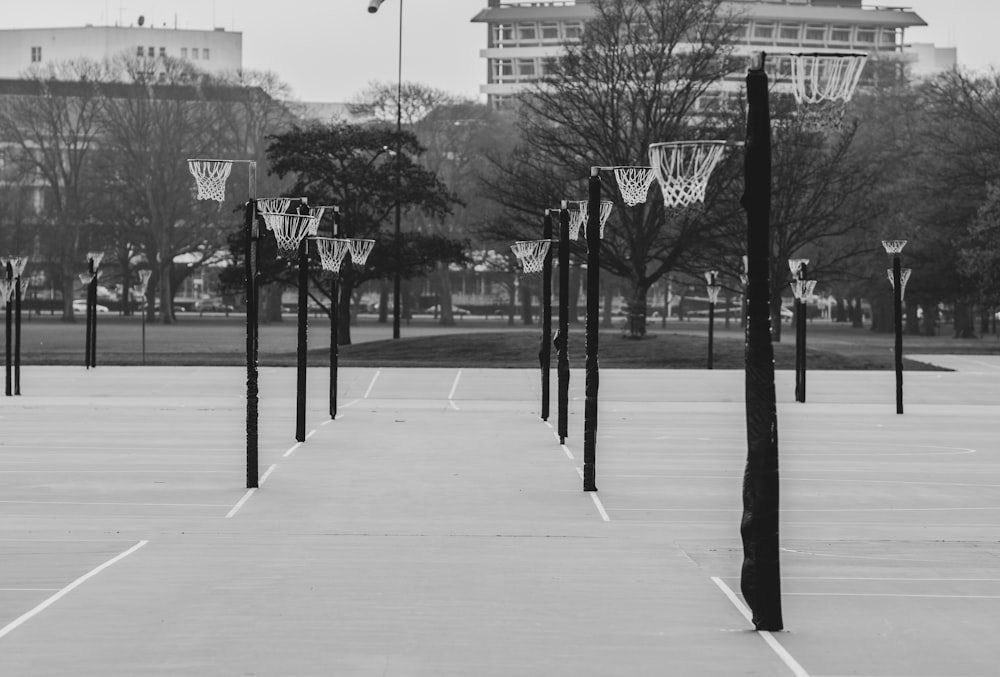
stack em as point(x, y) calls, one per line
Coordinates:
point(28, 589)
point(327, 421)
point(165, 505)
point(350, 404)
point(291, 450)
point(597, 501)
point(783, 654)
point(20, 620)
point(451, 394)
point(310, 433)
point(371, 385)
point(569, 453)
point(887, 594)
point(250, 492)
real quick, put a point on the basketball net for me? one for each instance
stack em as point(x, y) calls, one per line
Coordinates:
point(210, 175)
point(531, 254)
point(683, 168)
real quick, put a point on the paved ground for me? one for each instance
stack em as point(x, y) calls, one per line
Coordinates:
point(438, 528)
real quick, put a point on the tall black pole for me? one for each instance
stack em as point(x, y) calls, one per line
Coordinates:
point(17, 335)
point(397, 243)
point(301, 350)
point(250, 280)
point(334, 324)
point(86, 357)
point(8, 328)
point(711, 330)
point(144, 326)
point(800, 332)
point(93, 322)
point(761, 576)
point(562, 336)
point(593, 321)
point(545, 349)
point(897, 306)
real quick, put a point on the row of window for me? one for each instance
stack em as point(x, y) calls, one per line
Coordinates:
point(556, 32)
point(196, 53)
point(528, 34)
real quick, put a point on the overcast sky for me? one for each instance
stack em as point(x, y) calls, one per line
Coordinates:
point(328, 50)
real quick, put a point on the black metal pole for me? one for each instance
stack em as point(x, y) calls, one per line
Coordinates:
point(711, 330)
point(250, 280)
point(334, 324)
point(8, 329)
point(301, 351)
point(93, 322)
point(397, 244)
point(760, 576)
point(592, 382)
point(802, 359)
point(86, 357)
point(897, 304)
point(562, 335)
point(144, 327)
point(545, 349)
point(17, 335)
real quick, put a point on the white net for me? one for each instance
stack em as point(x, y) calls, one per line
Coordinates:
point(634, 183)
point(893, 246)
point(360, 249)
point(683, 168)
point(606, 207)
point(144, 276)
point(577, 214)
point(803, 289)
point(273, 205)
point(317, 214)
point(96, 257)
point(904, 277)
point(711, 276)
point(17, 264)
point(531, 254)
point(210, 175)
point(85, 278)
point(6, 289)
point(25, 283)
point(713, 293)
point(332, 251)
point(289, 229)
point(823, 84)
point(795, 265)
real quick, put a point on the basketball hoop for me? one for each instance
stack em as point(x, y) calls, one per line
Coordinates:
point(803, 289)
point(17, 264)
point(823, 84)
point(606, 207)
point(6, 289)
point(360, 249)
point(576, 216)
point(682, 169)
point(634, 183)
point(713, 293)
point(96, 257)
point(87, 278)
point(795, 265)
point(289, 229)
point(331, 252)
point(273, 205)
point(211, 175)
point(317, 214)
point(144, 276)
point(893, 246)
point(904, 277)
point(531, 254)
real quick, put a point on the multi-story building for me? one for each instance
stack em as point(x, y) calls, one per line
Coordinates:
point(212, 51)
point(525, 37)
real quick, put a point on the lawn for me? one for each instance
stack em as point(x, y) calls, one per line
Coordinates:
point(473, 343)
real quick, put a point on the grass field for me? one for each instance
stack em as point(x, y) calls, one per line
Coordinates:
point(195, 340)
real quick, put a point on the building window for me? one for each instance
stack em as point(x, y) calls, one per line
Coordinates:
point(36, 55)
point(163, 51)
point(549, 64)
point(550, 30)
point(503, 33)
point(184, 52)
point(140, 51)
point(527, 32)
point(151, 52)
point(763, 32)
point(789, 32)
point(573, 30)
point(194, 53)
point(815, 33)
point(526, 68)
point(866, 35)
point(204, 54)
point(840, 34)
point(889, 37)
point(503, 69)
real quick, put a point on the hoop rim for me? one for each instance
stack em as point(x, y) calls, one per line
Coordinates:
point(202, 159)
point(681, 144)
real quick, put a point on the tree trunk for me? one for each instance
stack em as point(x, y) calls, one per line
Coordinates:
point(166, 296)
point(882, 315)
point(67, 292)
point(840, 315)
point(857, 314)
point(271, 296)
point(912, 319)
point(984, 318)
point(447, 318)
point(512, 303)
point(637, 312)
point(383, 301)
point(609, 298)
point(965, 321)
point(344, 314)
point(931, 319)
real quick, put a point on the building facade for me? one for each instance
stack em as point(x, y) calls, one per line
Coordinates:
point(212, 51)
point(525, 37)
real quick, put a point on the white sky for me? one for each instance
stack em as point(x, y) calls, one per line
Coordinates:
point(328, 50)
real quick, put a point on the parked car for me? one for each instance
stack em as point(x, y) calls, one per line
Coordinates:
point(455, 311)
point(80, 306)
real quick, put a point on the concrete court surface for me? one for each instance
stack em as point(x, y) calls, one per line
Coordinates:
point(438, 528)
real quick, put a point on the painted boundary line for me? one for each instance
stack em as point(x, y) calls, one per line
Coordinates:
point(451, 393)
point(767, 636)
point(371, 385)
point(579, 471)
point(250, 492)
point(28, 615)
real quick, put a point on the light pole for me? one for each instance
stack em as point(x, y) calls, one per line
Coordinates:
point(798, 268)
point(90, 279)
point(373, 6)
point(144, 276)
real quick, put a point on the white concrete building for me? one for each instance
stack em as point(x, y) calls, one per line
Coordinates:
point(212, 51)
point(524, 37)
